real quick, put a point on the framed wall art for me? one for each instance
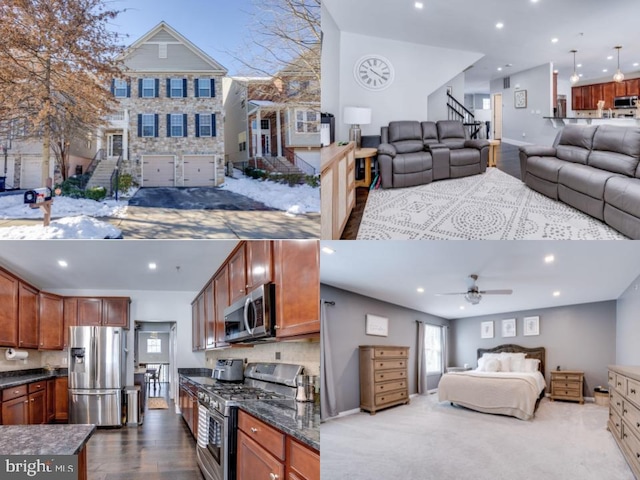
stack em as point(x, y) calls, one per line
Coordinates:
point(509, 327)
point(375, 325)
point(486, 330)
point(520, 99)
point(531, 326)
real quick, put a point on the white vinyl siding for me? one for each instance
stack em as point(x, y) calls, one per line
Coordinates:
point(307, 121)
point(148, 88)
point(148, 125)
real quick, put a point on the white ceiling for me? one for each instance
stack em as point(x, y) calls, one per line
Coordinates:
point(593, 27)
point(583, 272)
point(116, 264)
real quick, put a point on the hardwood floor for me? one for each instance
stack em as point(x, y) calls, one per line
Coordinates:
point(160, 449)
point(508, 161)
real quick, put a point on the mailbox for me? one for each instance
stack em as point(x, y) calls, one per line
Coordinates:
point(39, 195)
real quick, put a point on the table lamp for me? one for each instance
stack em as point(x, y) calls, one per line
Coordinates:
point(356, 116)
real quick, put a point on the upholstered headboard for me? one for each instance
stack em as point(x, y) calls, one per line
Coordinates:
point(537, 353)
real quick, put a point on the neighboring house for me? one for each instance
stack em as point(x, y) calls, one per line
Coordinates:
point(169, 128)
point(282, 118)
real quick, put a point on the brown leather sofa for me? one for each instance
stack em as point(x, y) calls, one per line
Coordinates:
point(414, 153)
point(595, 169)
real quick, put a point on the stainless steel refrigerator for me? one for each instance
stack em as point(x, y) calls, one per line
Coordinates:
point(96, 375)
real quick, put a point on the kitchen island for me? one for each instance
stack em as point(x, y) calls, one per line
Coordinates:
point(70, 440)
point(559, 122)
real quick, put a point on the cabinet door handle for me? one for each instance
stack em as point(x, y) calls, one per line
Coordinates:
point(26, 401)
point(16, 391)
point(33, 399)
point(254, 430)
point(274, 476)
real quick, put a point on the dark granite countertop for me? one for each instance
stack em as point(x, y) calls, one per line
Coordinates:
point(301, 420)
point(14, 379)
point(44, 439)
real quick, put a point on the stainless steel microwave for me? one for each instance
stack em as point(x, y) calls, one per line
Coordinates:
point(252, 317)
point(625, 102)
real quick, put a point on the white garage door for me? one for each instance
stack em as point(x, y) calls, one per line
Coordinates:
point(31, 173)
point(199, 171)
point(158, 171)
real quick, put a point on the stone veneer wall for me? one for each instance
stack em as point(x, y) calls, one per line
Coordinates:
point(178, 146)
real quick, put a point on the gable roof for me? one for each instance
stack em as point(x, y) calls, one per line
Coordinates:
point(161, 30)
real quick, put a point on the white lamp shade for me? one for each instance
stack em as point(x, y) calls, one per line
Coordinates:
point(357, 115)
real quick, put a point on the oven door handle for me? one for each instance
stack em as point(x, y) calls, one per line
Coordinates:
point(249, 302)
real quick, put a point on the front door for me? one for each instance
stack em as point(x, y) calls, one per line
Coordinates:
point(266, 143)
point(114, 145)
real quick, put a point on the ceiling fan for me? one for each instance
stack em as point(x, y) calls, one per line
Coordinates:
point(473, 295)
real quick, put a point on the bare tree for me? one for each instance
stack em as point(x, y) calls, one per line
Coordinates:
point(57, 58)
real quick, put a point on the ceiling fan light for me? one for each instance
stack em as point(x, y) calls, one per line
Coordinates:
point(473, 297)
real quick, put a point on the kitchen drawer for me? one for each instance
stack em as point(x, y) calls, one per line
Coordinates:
point(390, 352)
point(633, 391)
point(615, 423)
point(620, 384)
point(268, 437)
point(565, 377)
point(37, 386)
point(616, 402)
point(396, 375)
point(13, 392)
point(612, 379)
point(383, 398)
point(390, 386)
point(303, 461)
point(631, 415)
point(389, 364)
point(633, 445)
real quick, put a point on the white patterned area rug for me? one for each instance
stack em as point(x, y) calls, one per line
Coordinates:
point(491, 206)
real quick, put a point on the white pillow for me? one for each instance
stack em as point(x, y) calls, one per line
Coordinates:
point(492, 365)
point(481, 364)
point(505, 364)
point(517, 361)
point(531, 365)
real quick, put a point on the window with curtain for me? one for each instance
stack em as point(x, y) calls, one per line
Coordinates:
point(433, 348)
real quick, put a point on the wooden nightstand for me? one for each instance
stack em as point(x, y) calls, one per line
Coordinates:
point(567, 385)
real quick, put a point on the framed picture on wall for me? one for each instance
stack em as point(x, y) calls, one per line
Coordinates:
point(486, 330)
point(532, 325)
point(509, 327)
point(520, 99)
point(375, 325)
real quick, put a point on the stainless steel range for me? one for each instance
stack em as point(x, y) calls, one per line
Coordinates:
point(218, 412)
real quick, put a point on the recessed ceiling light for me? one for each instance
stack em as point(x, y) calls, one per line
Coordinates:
point(579, 65)
point(419, 5)
point(152, 266)
point(461, 307)
point(499, 25)
point(549, 259)
point(610, 57)
point(534, 1)
point(581, 75)
point(420, 290)
point(556, 293)
point(63, 263)
point(604, 70)
point(499, 69)
point(554, 40)
point(636, 64)
point(328, 250)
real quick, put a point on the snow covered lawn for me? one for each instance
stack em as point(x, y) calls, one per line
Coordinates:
point(293, 200)
point(64, 228)
point(12, 206)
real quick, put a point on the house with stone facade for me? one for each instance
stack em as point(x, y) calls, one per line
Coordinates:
point(168, 129)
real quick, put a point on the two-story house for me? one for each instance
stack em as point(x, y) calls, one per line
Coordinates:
point(169, 127)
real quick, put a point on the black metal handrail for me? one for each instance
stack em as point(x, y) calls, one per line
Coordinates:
point(307, 168)
point(114, 181)
point(99, 156)
point(457, 111)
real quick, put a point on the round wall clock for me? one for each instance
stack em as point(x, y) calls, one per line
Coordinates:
point(374, 72)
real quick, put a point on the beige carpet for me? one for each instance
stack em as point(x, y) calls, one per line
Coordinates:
point(157, 403)
point(427, 440)
point(491, 206)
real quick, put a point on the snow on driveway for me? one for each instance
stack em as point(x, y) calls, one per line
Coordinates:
point(12, 206)
point(64, 228)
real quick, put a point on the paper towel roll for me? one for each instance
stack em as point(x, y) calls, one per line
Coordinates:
point(12, 354)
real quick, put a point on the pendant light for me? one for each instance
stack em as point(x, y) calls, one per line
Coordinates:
point(619, 76)
point(575, 78)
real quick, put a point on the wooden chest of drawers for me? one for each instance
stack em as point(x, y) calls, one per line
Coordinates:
point(624, 413)
point(383, 377)
point(567, 385)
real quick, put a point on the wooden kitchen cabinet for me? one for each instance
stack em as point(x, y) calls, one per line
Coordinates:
point(633, 86)
point(197, 323)
point(297, 275)
point(259, 255)
point(38, 403)
point(237, 274)
point(8, 310)
point(27, 316)
point(303, 463)
point(620, 89)
point(608, 94)
point(89, 312)
point(115, 312)
point(70, 313)
point(51, 400)
point(595, 95)
point(255, 462)
point(62, 399)
point(51, 322)
point(16, 411)
point(209, 323)
point(221, 295)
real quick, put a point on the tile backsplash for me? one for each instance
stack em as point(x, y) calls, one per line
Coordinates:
point(34, 361)
point(305, 353)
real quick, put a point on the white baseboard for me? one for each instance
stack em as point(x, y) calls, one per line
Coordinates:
point(517, 143)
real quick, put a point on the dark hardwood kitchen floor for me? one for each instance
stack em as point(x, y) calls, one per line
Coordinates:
point(161, 449)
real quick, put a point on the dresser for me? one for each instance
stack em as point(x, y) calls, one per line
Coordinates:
point(383, 377)
point(567, 385)
point(624, 412)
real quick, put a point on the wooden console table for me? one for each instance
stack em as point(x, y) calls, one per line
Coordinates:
point(367, 155)
point(493, 152)
point(337, 186)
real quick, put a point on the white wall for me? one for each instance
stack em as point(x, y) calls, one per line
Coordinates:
point(627, 326)
point(437, 101)
point(330, 84)
point(521, 126)
point(151, 306)
point(419, 71)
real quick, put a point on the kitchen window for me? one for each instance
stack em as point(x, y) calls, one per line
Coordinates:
point(148, 125)
point(433, 348)
point(154, 345)
point(148, 87)
point(307, 121)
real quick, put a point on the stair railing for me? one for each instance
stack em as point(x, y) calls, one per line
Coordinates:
point(457, 111)
point(294, 158)
point(86, 176)
point(114, 181)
